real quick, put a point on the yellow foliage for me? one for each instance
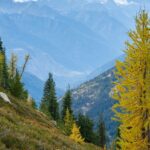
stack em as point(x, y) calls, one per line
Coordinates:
point(68, 122)
point(1, 58)
point(76, 136)
point(132, 88)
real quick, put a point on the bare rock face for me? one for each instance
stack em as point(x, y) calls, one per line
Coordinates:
point(4, 97)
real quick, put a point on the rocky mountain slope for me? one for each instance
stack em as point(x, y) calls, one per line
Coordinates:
point(94, 97)
point(22, 128)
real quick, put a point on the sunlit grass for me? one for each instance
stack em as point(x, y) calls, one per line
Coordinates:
point(22, 128)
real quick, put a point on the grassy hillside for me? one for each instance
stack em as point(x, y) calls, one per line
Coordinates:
point(23, 128)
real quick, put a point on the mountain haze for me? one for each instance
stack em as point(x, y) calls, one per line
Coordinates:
point(72, 38)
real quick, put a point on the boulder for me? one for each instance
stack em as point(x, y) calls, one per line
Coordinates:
point(4, 97)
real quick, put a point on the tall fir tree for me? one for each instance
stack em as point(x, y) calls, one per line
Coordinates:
point(53, 105)
point(44, 107)
point(102, 132)
point(86, 127)
point(1, 68)
point(132, 88)
point(49, 104)
point(67, 102)
point(4, 68)
point(68, 120)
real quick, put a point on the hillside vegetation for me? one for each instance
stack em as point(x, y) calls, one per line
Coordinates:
point(23, 128)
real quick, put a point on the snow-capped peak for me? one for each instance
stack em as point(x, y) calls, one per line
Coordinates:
point(23, 1)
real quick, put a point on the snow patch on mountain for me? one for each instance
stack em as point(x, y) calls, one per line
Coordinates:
point(124, 2)
point(23, 1)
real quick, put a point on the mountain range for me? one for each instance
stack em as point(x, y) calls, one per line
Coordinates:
point(68, 38)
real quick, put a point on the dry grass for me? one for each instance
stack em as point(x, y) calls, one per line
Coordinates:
point(23, 128)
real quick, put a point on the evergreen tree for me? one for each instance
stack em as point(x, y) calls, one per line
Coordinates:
point(86, 128)
point(67, 102)
point(53, 105)
point(44, 107)
point(68, 122)
point(117, 146)
point(132, 88)
point(102, 133)
point(17, 87)
point(1, 68)
point(4, 69)
point(76, 136)
point(49, 103)
point(9, 76)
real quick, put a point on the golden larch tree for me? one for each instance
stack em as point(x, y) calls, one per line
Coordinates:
point(68, 122)
point(76, 135)
point(132, 88)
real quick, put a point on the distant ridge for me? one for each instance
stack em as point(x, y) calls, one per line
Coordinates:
point(104, 68)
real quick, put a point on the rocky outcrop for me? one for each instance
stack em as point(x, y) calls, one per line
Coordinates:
point(4, 97)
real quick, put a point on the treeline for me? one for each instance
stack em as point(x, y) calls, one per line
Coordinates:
point(10, 75)
point(79, 128)
point(132, 89)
